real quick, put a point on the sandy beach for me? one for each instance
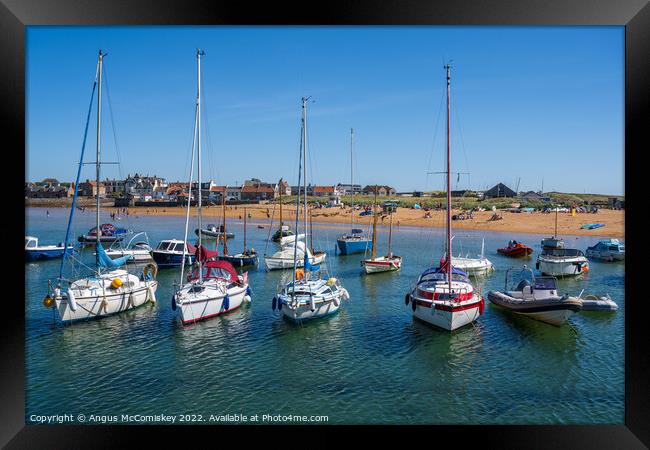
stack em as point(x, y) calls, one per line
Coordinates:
point(537, 223)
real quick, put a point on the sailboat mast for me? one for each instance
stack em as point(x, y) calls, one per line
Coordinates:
point(295, 242)
point(244, 230)
point(351, 178)
point(280, 189)
point(199, 53)
point(223, 227)
point(304, 168)
point(374, 227)
point(449, 252)
point(97, 161)
point(390, 234)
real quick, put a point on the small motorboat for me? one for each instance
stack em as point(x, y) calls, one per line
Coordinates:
point(353, 242)
point(607, 250)
point(562, 262)
point(284, 259)
point(281, 232)
point(246, 258)
point(139, 251)
point(215, 232)
point(169, 253)
point(592, 302)
point(35, 252)
point(109, 233)
point(286, 240)
point(537, 298)
point(515, 249)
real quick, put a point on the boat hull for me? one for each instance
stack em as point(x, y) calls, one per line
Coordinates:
point(304, 312)
point(517, 252)
point(565, 267)
point(213, 234)
point(474, 267)
point(93, 307)
point(37, 255)
point(287, 263)
point(240, 260)
point(348, 247)
point(445, 316)
point(137, 256)
point(204, 307)
point(87, 239)
point(167, 260)
point(605, 256)
point(555, 310)
point(382, 264)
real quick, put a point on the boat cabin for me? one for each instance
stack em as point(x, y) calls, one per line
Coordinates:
point(31, 242)
point(527, 285)
point(611, 245)
point(173, 245)
point(562, 252)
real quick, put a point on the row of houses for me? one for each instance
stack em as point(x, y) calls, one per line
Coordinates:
point(153, 188)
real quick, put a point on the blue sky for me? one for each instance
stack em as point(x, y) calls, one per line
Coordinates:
point(528, 103)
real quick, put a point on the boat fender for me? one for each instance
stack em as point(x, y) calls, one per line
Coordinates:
point(407, 298)
point(248, 291)
point(131, 303)
point(414, 305)
point(312, 304)
point(280, 303)
point(481, 307)
point(48, 301)
point(104, 306)
point(274, 303)
point(71, 300)
point(226, 302)
point(151, 295)
point(335, 301)
point(537, 265)
point(174, 302)
point(247, 298)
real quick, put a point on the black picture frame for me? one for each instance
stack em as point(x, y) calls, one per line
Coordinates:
point(15, 15)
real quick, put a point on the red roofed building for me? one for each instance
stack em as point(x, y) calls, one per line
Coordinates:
point(320, 191)
point(257, 193)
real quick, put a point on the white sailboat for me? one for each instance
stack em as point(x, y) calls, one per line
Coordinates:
point(109, 289)
point(474, 266)
point(386, 263)
point(307, 295)
point(558, 261)
point(212, 287)
point(443, 296)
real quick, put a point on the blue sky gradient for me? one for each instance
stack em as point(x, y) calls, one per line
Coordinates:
point(528, 103)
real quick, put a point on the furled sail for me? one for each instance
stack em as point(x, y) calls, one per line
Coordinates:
point(106, 261)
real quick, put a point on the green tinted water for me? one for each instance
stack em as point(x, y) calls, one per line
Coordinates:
point(371, 363)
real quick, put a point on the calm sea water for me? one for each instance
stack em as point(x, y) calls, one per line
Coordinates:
point(371, 363)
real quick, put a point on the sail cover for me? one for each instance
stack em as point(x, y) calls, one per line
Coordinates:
point(203, 254)
point(106, 261)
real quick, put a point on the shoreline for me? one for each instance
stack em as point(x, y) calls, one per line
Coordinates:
point(527, 223)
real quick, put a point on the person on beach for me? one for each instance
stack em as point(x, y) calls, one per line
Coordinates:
point(47, 212)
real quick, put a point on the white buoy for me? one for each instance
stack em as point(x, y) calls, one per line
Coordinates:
point(71, 300)
point(152, 296)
